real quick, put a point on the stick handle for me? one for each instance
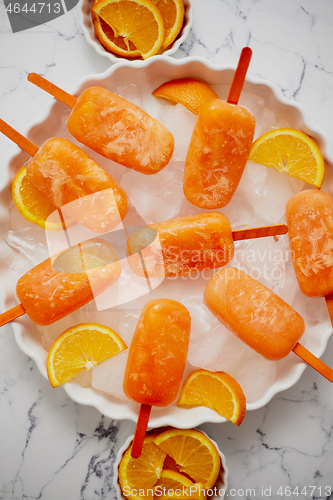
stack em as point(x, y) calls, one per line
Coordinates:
point(140, 431)
point(259, 232)
point(329, 303)
point(19, 139)
point(13, 313)
point(313, 361)
point(52, 89)
point(239, 76)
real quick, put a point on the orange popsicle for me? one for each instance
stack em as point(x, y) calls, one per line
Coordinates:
point(254, 313)
point(120, 130)
point(220, 146)
point(63, 284)
point(310, 223)
point(156, 358)
point(188, 244)
point(180, 246)
point(259, 317)
point(70, 179)
point(62, 172)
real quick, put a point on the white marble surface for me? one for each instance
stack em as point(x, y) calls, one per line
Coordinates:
point(52, 448)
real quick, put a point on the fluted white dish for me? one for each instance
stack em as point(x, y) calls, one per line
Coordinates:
point(148, 75)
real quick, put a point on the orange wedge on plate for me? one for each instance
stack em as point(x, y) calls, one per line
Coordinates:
point(81, 347)
point(189, 92)
point(217, 391)
point(129, 28)
point(291, 151)
point(32, 204)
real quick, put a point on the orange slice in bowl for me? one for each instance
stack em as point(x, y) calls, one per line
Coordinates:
point(189, 92)
point(129, 28)
point(291, 151)
point(81, 347)
point(173, 485)
point(217, 391)
point(173, 12)
point(141, 473)
point(194, 454)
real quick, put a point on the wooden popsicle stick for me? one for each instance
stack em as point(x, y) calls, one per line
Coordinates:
point(313, 361)
point(13, 313)
point(19, 139)
point(259, 232)
point(140, 430)
point(52, 89)
point(239, 76)
point(329, 303)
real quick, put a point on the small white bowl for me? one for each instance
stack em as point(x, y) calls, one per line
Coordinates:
point(221, 484)
point(87, 27)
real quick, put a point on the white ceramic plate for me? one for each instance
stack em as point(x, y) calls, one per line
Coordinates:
point(87, 26)
point(221, 483)
point(148, 75)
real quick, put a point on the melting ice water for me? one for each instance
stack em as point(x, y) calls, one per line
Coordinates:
point(259, 199)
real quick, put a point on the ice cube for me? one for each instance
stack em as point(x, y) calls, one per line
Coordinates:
point(267, 190)
point(266, 123)
point(83, 378)
point(156, 197)
point(108, 376)
point(255, 104)
point(180, 121)
point(239, 213)
point(131, 93)
point(211, 346)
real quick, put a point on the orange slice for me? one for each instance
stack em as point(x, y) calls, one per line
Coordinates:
point(129, 28)
point(173, 485)
point(173, 12)
point(291, 151)
point(135, 474)
point(217, 391)
point(189, 92)
point(32, 204)
point(81, 347)
point(194, 454)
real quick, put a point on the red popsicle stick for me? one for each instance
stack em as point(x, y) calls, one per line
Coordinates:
point(19, 139)
point(313, 361)
point(13, 313)
point(259, 232)
point(239, 76)
point(140, 430)
point(52, 89)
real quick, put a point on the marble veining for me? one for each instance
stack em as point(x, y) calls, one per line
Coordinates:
point(51, 447)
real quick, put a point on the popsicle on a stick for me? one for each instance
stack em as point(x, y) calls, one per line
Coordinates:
point(62, 284)
point(220, 146)
point(64, 174)
point(259, 317)
point(180, 246)
point(115, 127)
point(156, 360)
point(310, 222)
